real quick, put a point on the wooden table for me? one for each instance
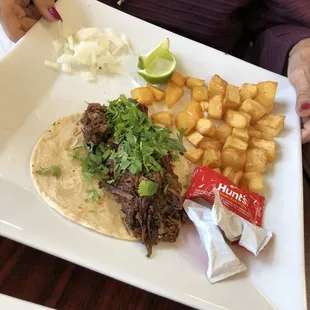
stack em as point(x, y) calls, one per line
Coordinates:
point(34, 276)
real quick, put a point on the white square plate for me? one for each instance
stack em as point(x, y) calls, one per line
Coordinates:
point(33, 96)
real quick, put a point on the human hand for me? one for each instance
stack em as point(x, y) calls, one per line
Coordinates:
point(18, 16)
point(299, 75)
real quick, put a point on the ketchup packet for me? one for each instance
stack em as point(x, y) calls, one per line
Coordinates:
point(248, 205)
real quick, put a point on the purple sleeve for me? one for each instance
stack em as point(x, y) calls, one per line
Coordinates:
point(272, 46)
point(278, 25)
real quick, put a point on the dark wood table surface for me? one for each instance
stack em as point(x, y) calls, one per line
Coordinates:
point(37, 277)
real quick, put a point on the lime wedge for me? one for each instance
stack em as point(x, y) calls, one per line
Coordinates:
point(158, 66)
point(142, 58)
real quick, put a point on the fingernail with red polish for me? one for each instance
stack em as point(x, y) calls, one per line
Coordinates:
point(54, 13)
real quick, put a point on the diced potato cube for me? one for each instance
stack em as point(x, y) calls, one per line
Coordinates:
point(242, 134)
point(254, 108)
point(191, 82)
point(275, 122)
point(212, 158)
point(195, 110)
point(199, 93)
point(206, 127)
point(266, 92)
point(269, 131)
point(247, 91)
point(255, 133)
point(178, 79)
point(247, 116)
point(233, 158)
point(254, 180)
point(223, 132)
point(173, 94)
point(215, 89)
point(268, 146)
point(204, 105)
point(142, 95)
point(194, 155)
point(218, 170)
point(235, 119)
point(210, 144)
point(243, 183)
point(158, 94)
point(184, 121)
point(195, 138)
point(232, 174)
point(233, 142)
point(267, 136)
point(215, 108)
point(218, 80)
point(163, 117)
point(232, 97)
point(256, 161)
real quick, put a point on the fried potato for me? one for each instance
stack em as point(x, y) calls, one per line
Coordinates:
point(218, 80)
point(266, 92)
point(185, 121)
point(256, 161)
point(194, 155)
point(266, 130)
point(215, 89)
point(247, 91)
point(158, 94)
point(223, 132)
point(173, 94)
point(212, 158)
point(163, 117)
point(210, 144)
point(254, 108)
point(178, 79)
point(254, 181)
point(255, 133)
point(191, 82)
point(232, 174)
point(268, 146)
point(218, 170)
point(215, 108)
point(195, 110)
point(247, 116)
point(142, 95)
point(242, 134)
point(195, 138)
point(232, 97)
point(204, 105)
point(267, 136)
point(235, 119)
point(199, 93)
point(206, 127)
point(233, 158)
point(271, 124)
point(242, 182)
point(233, 142)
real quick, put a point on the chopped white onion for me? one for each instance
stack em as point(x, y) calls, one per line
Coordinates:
point(52, 64)
point(90, 50)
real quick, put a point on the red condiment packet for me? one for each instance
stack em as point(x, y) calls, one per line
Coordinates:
point(248, 205)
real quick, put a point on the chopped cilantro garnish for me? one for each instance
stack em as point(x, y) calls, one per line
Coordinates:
point(55, 170)
point(147, 188)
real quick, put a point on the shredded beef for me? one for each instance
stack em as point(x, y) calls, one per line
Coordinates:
point(143, 108)
point(151, 219)
point(95, 128)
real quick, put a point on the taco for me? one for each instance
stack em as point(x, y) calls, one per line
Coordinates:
point(112, 169)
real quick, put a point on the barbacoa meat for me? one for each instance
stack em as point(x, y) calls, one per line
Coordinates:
point(151, 219)
point(95, 128)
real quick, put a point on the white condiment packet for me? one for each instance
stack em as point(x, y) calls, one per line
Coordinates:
point(223, 263)
point(252, 237)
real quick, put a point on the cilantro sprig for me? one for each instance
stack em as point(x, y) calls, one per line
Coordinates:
point(55, 170)
point(147, 188)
